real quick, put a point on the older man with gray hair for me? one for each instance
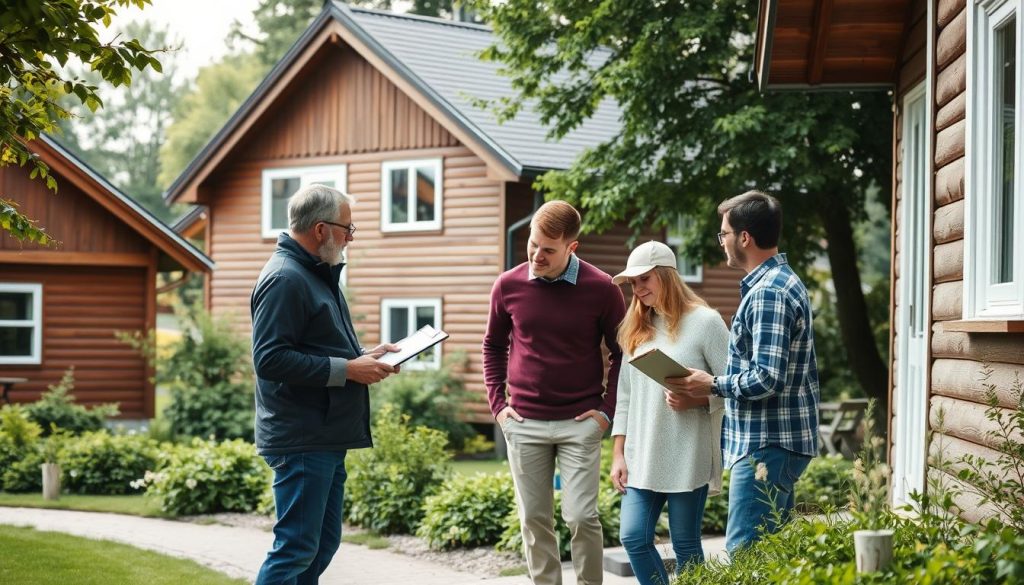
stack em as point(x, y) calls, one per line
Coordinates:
point(312, 400)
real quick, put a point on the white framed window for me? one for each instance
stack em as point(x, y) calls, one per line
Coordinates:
point(994, 226)
point(402, 317)
point(280, 184)
point(411, 195)
point(690, 268)
point(21, 323)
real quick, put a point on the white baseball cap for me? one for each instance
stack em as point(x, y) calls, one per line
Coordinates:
point(644, 258)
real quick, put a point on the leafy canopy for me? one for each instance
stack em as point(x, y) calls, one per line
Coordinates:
point(38, 38)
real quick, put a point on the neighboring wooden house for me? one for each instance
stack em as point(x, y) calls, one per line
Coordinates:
point(957, 197)
point(379, 105)
point(60, 306)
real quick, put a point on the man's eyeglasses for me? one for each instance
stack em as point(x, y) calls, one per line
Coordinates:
point(721, 237)
point(350, 228)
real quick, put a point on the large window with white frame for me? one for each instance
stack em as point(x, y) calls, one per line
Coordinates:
point(21, 323)
point(281, 183)
point(690, 267)
point(411, 195)
point(401, 318)
point(994, 231)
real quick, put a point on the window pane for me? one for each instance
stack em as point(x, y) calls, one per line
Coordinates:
point(675, 237)
point(1006, 90)
point(16, 341)
point(425, 316)
point(280, 191)
point(399, 195)
point(15, 306)
point(425, 194)
point(399, 327)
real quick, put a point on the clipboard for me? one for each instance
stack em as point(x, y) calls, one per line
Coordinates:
point(658, 366)
point(423, 339)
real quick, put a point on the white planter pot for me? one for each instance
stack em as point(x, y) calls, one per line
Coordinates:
point(51, 481)
point(873, 549)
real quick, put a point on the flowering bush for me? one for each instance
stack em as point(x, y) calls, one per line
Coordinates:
point(102, 463)
point(205, 477)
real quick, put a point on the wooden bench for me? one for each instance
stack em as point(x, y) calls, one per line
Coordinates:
point(838, 426)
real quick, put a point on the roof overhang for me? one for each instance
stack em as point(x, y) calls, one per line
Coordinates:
point(333, 23)
point(178, 252)
point(829, 44)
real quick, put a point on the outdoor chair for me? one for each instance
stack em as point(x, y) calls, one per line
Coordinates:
point(839, 424)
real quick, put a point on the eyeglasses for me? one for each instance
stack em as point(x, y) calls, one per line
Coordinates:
point(721, 237)
point(350, 228)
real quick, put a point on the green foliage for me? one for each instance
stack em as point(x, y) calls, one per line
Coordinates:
point(431, 398)
point(19, 442)
point(695, 129)
point(209, 377)
point(57, 408)
point(468, 512)
point(38, 39)
point(205, 477)
point(869, 491)
point(102, 463)
point(388, 484)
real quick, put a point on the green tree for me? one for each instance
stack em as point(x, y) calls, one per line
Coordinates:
point(37, 39)
point(695, 130)
point(122, 141)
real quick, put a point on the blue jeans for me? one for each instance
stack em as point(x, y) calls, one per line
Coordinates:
point(750, 508)
point(308, 492)
point(640, 512)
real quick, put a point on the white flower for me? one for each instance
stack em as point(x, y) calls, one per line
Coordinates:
point(761, 473)
point(73, 473)
point(190, 483)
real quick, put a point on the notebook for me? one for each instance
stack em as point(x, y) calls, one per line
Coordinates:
point(658, 366)
point(423, 339)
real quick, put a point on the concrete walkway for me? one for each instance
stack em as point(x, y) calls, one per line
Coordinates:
point(239, 552)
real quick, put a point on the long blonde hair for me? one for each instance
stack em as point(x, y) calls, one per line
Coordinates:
point(675, 300)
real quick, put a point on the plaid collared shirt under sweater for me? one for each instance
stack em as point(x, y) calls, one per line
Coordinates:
point(771, 380)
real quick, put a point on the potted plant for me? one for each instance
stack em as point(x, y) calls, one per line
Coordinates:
point(52, 447)
point(869, 504)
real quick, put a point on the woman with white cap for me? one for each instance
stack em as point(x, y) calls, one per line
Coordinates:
point(666, 447)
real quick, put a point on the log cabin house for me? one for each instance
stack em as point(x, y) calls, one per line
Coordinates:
point(957, 299)
point(61, 305)
point(381, 106)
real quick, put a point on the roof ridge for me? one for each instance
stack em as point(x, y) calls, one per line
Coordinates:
point(419, 17)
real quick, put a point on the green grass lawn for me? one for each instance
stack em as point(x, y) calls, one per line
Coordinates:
point(471, 466)
point(31, 557)
point(134, 505)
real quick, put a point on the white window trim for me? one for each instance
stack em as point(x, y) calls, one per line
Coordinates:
point(981, 299)
point(386, 225)
point(307, 175)
point(692, 277)
point(385, 326)
point(36, 290)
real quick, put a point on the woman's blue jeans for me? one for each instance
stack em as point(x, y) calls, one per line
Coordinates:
point(639, 517)
point(308, 492)
point(751, 500)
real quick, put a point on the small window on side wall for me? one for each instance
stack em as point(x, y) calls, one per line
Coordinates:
point(690, 268)
point(21, 323)
point(280, 184)
point(411, 195)
point(401, 318)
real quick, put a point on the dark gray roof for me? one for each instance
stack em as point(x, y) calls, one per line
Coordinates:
point(441, 55)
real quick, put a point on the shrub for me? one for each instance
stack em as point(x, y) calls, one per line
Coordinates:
point(388, 484)
point(56, 407)
point(102, 463)
point(19, 441)
point(206, 477)
point(468, 512)
point(432, 398)
point(208, 373)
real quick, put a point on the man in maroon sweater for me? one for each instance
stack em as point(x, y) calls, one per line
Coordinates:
point(545, 380)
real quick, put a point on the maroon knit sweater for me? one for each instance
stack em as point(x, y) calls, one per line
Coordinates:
point(543, 343)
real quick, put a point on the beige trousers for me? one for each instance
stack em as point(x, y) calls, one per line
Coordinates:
point(533, 446)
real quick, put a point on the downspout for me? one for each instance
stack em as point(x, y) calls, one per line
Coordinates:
point(512, 229)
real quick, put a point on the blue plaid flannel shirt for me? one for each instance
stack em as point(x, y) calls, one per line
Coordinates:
point(771, 381)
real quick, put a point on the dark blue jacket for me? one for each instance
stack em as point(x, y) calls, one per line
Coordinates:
point(300, 325)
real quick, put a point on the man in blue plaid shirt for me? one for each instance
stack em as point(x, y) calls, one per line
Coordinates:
point(771, 382)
